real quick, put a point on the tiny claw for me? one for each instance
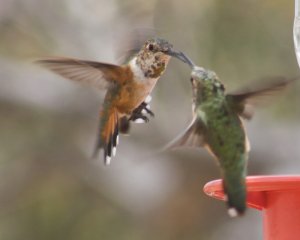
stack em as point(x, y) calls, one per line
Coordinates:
point(145, 118)
point(149, 111)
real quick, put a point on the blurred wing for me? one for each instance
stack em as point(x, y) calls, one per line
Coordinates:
point(193, 136)
point(244, 101)
point(96, 74)
point(132, 42)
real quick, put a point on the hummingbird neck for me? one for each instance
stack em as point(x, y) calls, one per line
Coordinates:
point(206, 85)
point(137, 70)
point(206, 94)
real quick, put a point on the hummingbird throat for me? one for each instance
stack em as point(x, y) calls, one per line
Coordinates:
point(152, 65)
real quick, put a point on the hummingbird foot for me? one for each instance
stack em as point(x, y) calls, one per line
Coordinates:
point(138, 114)
point(146, 110)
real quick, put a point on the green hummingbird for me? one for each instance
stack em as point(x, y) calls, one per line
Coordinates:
point(217, 126)
point(128, 87)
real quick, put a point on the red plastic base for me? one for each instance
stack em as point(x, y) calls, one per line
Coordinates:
point(278, 197)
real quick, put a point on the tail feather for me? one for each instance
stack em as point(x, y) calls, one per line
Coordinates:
point(235, 190)
point(115, 137)
point(108, 135)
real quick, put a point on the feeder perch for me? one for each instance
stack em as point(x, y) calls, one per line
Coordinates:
point(278, 197)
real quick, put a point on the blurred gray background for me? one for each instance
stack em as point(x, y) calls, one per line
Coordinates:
point(49, 187)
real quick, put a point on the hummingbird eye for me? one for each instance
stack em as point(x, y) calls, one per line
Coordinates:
point(150, 47)
point(193, 82)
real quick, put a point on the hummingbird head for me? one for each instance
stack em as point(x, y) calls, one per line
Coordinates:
point(206, 83)
point(158, 45)
point(154, 56)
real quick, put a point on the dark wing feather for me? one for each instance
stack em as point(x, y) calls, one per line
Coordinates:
point(243, 101)
point(96, 74)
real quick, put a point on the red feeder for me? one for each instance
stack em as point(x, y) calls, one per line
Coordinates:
point(278, 197)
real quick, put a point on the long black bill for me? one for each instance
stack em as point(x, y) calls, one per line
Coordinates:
point(181, 56)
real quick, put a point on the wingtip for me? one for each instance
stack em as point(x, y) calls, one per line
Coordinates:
point(51, 59)
point(41, 60)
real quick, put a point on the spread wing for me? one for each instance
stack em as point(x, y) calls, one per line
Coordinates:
point(96, 74)
point(192, 136)
point(244, 101)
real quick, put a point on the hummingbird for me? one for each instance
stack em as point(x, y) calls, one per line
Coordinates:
point(217, 126)
point(128, 87)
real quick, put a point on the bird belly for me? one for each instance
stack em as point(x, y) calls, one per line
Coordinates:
point(226, 138)
point(133, 94)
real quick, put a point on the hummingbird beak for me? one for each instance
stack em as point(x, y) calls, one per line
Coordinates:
point(181, 56)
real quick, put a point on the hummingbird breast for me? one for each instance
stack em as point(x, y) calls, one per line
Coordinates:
point(133, 90)
point(225, 135)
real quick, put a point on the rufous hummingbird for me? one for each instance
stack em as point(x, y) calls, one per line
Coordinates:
point(217, 126)
point(128, 87)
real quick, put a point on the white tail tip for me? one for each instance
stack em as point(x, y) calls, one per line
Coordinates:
point(114, 151)
point(232, 212)
point(107, 160)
